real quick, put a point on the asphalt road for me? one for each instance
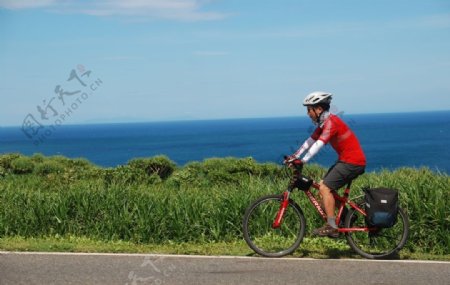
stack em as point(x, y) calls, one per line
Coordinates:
point(64, 268)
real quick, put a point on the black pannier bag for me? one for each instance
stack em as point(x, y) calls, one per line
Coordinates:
point(381, 207)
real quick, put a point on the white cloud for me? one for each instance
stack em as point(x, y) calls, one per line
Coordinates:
point(181, 10)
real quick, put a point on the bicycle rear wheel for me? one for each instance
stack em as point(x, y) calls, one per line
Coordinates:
point(262, 237)
point(380, 244)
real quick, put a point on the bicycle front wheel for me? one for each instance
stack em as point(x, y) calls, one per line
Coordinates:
point(382, 243)
point(262, 237)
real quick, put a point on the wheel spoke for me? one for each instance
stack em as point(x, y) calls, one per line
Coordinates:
point(380, 243)
point(262, 237)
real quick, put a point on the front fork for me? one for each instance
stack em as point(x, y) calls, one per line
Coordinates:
point(283, 205)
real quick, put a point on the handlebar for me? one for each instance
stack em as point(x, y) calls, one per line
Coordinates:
point(296, 163)
point(297, 179)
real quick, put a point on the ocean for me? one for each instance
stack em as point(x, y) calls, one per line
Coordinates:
point(389, 141)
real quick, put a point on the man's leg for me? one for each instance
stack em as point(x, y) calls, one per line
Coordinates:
point(337, 176)
point(330, 228)
point(328, 203)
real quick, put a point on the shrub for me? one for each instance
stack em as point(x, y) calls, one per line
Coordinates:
point(271, 170)
point(231, 165)
point(38, 157)
point(48, 167)
point(125, 175)
point(22, 165)
point(191, 174)
point(81, 163)
point(160, 165)
point(3, 171)
point(61, 159)
point(222, 171)
point(7, 159)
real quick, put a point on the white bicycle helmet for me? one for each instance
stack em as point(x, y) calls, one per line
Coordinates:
point(317, 97)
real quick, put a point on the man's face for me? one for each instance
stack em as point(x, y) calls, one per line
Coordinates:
point(313, 112)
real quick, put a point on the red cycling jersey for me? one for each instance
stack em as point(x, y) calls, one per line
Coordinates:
point(342, 139)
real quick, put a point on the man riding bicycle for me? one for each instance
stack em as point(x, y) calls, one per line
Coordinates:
point(351, 159)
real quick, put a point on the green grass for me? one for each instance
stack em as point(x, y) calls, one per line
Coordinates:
point(150, 201)
point(321, 248)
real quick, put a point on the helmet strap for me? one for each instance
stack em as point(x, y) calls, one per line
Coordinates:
point(317, 116)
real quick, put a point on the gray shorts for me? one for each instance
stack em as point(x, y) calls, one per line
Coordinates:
point(342, 173)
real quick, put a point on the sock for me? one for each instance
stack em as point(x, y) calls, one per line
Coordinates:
point(332, 222)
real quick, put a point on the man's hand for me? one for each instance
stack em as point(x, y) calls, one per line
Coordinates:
point(288, 159)
point(293, 162)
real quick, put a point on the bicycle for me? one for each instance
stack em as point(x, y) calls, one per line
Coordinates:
point(274, 225)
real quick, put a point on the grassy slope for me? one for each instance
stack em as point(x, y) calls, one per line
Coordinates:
point(150, 205)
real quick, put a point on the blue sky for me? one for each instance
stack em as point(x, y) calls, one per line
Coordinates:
point(204, 59)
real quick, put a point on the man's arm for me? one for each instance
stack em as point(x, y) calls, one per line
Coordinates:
point(313, 150)
point(305, 146)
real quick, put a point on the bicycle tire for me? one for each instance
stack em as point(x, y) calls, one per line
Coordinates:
point(382, 244)
point(258, 231)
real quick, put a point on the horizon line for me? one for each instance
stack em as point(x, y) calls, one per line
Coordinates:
point(144, 121)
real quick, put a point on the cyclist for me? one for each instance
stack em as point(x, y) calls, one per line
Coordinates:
point(351, 159)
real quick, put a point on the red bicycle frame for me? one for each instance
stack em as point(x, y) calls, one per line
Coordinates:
point(342, 201)
point(277, 223)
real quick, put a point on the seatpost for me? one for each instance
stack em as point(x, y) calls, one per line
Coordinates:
point(347, 190)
